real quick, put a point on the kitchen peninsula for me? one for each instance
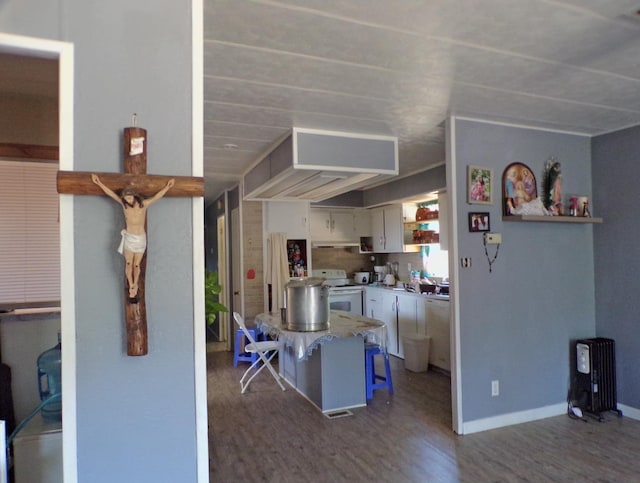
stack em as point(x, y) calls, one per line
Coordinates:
point(326, 366)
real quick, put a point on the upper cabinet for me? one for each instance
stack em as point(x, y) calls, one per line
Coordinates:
point(387, 229)
point(333, 226)
point(290, 217)
point(363, 222)
point(394, 228)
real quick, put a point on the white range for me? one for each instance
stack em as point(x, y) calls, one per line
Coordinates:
point(343, 293)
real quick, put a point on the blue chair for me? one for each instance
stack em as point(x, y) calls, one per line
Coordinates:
point(241, 342)
point(370, 351)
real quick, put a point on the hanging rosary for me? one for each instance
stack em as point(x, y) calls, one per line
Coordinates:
point(489, 259)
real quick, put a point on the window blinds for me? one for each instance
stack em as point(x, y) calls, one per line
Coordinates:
point(29, 233)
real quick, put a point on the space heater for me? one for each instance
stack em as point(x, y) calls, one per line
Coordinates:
point(595, 376)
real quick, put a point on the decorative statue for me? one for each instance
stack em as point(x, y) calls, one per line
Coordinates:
point(134, 237)
point(552, 192)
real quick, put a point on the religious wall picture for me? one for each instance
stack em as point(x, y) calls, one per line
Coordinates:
point(479, 222)
point(479, 185)
point(518, 187)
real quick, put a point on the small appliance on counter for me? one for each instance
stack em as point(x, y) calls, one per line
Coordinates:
point(361, 278)
point(380, 271)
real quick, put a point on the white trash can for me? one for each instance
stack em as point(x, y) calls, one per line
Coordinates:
point(416, 352)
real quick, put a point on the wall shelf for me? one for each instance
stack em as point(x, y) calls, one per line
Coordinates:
point(416, 224)
point(553, 219)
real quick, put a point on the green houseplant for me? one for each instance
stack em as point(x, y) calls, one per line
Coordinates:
point(212, 291)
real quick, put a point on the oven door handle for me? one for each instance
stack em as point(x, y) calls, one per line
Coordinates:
point(345, 292)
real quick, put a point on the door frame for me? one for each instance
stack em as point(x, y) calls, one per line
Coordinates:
point(63, 53)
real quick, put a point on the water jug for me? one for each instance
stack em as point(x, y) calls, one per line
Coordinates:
point(50, 381)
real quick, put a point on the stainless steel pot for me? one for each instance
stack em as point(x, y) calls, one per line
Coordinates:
point(307, 301)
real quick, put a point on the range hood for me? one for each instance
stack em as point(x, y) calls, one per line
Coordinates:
point(334, 244)
point(316, 165)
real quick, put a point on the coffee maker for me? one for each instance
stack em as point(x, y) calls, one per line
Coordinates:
point(380, 271)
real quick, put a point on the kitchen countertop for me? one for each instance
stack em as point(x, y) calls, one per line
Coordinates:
point(403, 291)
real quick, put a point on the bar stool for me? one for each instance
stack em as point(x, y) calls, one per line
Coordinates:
point(241, 340)
point(370, 351)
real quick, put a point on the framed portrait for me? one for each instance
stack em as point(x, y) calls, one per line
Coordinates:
point(518, 187)
point(479, 185)
point(479, 222)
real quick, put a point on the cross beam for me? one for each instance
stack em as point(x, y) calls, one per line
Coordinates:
point(149, 188)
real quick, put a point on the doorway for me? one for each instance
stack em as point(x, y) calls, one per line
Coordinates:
point(29, 51)
point(217, 263)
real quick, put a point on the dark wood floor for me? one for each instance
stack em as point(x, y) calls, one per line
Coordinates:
point(270, 435)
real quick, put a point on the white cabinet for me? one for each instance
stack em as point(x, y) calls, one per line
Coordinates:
point(333, 226)
point(387, 229)
point(363, 222)
point(290, 217)
point(406, 307)
point(438, 328)
point(377, 230)
point(380, 304)
point(399, 312)
point(421, 316)
point(389, 316)
point(372, 302)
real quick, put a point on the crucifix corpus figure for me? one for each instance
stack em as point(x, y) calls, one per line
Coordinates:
point(134, 237)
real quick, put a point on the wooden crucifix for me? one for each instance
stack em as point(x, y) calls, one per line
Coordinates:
point(135, 191)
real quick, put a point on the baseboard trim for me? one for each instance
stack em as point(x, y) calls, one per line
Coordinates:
point(510, 419)
point(629, 412)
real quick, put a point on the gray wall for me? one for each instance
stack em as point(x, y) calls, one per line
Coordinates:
point(517, 323)
point(135, 416)
point(616, 194)
point(415, 185)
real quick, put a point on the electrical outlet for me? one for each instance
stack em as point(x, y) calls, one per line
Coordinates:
point(495, 388)
point(465, 262)
point(493, 238)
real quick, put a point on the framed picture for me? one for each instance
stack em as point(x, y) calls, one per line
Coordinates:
point(518, 187)
point(479, 222)
point(479, 185)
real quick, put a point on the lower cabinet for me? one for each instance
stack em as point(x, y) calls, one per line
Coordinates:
point(409, 314)
point(406, 308)
point(439, 329)
point(398, 311)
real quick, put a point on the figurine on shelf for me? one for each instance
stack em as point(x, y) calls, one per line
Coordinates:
point(553, 187)
point(573, 207)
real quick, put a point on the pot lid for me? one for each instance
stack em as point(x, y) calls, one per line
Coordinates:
point(305, 282)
